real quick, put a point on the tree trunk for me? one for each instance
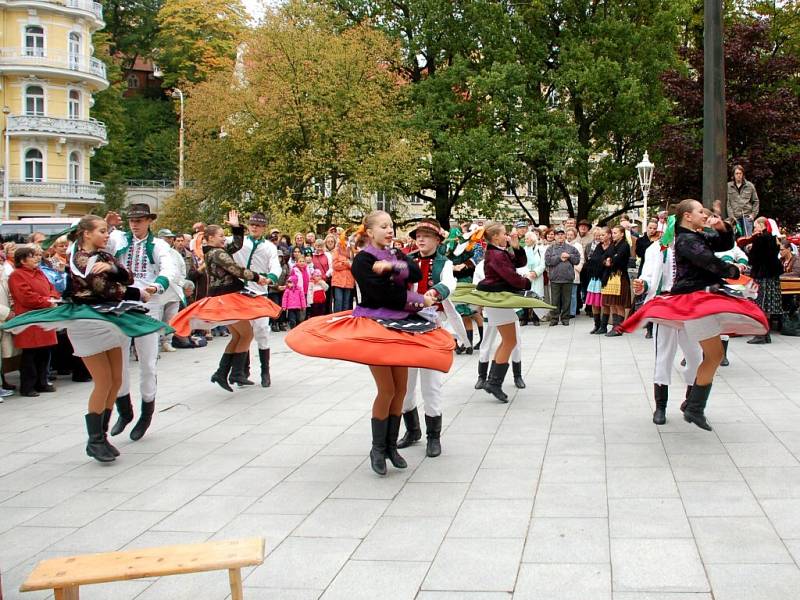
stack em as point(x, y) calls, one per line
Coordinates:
point(542, 197)
point(442, 204)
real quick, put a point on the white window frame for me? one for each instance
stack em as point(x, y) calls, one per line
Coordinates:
point(40, 52)
point(79, 103)
point(79, 178)
point(132, 78)
point(25, 88)
point(24, 174)
point(74, 60)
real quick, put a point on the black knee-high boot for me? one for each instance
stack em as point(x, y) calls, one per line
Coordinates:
point(516, 370)
point(469, 340)
point(494, 382)
point(145, 418)
point(696, 406)
point(725, 362)
point(220, 376)
point(125, 412)
point(377, 456)
point(433, 430)
point(616, 321)
point(392, 431)
point(106, 420)
point(597, 324)
point(483, 370)
point(413, 432)
point(603, 329)
point(96, 446)
point(263, 356)
point(238, 365)
point(661, 395)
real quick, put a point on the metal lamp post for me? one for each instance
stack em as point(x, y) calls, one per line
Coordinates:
point(645, 170)
point(179, 94)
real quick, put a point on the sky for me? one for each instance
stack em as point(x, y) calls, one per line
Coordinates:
point(256, 7)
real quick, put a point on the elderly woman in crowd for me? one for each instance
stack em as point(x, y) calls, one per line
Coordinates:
point(536, 267)
point(31, 290)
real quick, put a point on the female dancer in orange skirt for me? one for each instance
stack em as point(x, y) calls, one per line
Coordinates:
point(383, 332)
point(225, 304)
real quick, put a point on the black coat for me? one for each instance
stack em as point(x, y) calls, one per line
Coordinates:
point(594, 265)
point(765, 263)
point(620, 253)
point(696, 266)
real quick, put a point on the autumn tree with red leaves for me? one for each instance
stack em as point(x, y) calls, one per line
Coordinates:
point(762, 110)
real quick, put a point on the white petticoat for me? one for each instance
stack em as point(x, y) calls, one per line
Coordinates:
point(703, 328)
point(500, 316)
point(93, 337)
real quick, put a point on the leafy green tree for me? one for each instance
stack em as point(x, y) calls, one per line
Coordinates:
point(197, 37)
point(132, 26)
point(314, 118)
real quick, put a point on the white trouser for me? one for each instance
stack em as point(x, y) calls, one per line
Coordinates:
point(261, 332)
point(170, 309)
point(489, 334)
point(667, 340)
point(431, 391)
point(147, 351)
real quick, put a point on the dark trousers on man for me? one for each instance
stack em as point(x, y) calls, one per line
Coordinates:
point(561, 298)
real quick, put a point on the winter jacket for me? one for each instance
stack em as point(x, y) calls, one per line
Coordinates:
point(293, 296)
point(696, 266)
point(561, 271)
point(342, 277)
point(31, 290)
point(500, 270)
point(742, 201)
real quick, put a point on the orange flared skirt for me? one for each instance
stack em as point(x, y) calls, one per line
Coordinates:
point(363, 340)
point(213, 311)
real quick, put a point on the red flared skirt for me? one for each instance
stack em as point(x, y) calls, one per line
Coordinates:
point(362, 340)
point(735, 315)
point(212, 311)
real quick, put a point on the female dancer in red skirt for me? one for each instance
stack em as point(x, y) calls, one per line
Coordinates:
point(698, 303)
point(383, 332)
point(225, 305)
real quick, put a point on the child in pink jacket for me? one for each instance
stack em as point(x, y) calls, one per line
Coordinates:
point(294, 296)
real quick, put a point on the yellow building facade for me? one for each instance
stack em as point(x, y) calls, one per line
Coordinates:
point(48, 75)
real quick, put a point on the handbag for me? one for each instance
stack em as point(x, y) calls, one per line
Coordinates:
point(613, 286)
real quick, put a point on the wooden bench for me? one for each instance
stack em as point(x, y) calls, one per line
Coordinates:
point(65, 575)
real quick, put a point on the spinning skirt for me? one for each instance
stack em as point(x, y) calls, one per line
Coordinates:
point(511, 300)
point(732, 315)
point(363, 340)
point(213, 311)
point(91, 331)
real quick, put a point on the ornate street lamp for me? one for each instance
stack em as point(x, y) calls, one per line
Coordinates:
point(645, 170)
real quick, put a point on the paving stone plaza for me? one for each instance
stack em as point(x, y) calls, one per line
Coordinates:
point(569, 492)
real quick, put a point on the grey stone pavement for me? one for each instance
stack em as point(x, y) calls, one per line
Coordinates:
point(568, 492)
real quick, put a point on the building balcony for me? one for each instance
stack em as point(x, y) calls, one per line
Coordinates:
point(88, 130)
point(89, 8)
point(51, 191)
point(46, 63)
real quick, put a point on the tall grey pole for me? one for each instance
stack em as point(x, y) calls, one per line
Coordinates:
point(715, 138)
